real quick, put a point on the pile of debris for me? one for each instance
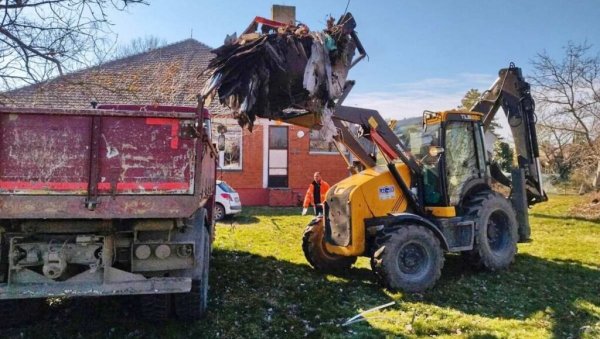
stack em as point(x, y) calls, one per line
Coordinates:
point(284, 71)
point(589, 208)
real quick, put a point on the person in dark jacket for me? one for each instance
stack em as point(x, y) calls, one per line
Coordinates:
point(315, 195)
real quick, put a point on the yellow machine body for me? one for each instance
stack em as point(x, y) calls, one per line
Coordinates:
point(370, 193)
point(430, 118)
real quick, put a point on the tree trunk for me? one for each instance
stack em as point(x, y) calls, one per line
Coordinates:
point(596, 184)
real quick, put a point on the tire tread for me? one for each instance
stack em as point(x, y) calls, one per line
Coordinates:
point(384, 269)
point(474, 209)
point(315, 253)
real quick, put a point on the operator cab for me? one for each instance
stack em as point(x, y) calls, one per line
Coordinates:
point(448, 142)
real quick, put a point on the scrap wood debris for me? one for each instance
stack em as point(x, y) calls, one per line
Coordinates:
point(283, 71)
point(589, 209)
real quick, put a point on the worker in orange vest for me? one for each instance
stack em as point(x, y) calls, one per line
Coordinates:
point(315, 195)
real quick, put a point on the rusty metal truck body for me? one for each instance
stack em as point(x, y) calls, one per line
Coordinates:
point(105, 201)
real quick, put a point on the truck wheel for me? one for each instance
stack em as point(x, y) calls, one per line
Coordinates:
point(219, 212)
point(156, 307)
point(18, 312)
point(409, 259)
point(313, 246)
point(496, 231)
point(193, 305)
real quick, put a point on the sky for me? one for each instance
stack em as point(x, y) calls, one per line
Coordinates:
point(422, 55)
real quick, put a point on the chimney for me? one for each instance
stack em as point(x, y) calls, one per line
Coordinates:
point(285, 14)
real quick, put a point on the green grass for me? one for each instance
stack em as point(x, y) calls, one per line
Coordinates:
point(261, 286)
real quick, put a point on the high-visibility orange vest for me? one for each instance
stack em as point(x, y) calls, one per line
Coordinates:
point(308, 198)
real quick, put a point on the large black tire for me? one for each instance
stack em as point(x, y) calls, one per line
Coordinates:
point(409, 258)
point(193, 305)
point(313, 246)
point(15, 313)
point(496, 231)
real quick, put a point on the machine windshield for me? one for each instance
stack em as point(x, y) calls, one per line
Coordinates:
point(418, 140)
point(410, 132)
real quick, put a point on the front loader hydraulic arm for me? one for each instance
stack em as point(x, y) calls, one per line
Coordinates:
point(375, 129)
point(378, 131)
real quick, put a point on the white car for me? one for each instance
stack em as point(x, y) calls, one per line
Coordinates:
point(227, 201)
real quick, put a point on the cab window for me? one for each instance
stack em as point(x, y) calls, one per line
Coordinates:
point(418, 142)
point(461, 158)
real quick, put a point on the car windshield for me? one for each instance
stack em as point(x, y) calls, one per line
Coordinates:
point(225, 188)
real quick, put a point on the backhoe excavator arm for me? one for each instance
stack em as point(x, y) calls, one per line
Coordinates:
point(511, 92)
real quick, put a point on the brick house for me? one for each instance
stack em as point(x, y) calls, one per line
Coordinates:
point(277, 162)
point(273, 165)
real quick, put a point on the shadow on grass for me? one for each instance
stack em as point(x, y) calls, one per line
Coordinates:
point(239, 219)
point(557, 290)
point(273, 211)
point(267, 297)
point(564, 217)
point(256, 296)
point(250, 297)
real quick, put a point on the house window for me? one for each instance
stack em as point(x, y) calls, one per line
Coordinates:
point(278, 156)
point(278, 137)
point(318, 145)
point(228, 138)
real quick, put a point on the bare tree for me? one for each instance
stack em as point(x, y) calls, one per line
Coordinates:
point(139, 45)
point(40, 39)
point(567, 92)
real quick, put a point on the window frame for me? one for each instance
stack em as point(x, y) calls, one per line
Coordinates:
point(278, 180)
point(232, 128)
point(320, 152)
point(287, 141)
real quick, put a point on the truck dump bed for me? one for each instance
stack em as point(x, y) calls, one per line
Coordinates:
point(111, 162)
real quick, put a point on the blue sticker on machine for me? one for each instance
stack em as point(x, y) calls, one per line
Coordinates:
point(387, 192)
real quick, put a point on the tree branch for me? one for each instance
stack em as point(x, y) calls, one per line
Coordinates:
point(25, 47)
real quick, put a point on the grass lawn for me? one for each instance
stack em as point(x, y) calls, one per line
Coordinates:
point(261, 286)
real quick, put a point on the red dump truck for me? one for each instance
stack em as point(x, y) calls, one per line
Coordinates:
point(114, 200)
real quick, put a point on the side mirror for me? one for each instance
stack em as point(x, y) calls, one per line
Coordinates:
point(434, 151)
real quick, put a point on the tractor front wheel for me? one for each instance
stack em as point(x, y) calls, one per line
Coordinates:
point(313, 246)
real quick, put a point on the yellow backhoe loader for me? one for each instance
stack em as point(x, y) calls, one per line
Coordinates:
point(433, 194)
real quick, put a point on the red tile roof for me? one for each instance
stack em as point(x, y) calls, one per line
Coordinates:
point(169, 75)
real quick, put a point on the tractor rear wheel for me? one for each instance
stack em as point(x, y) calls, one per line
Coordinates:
point(496, 232)
point(313, 246)
point(409, 258)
